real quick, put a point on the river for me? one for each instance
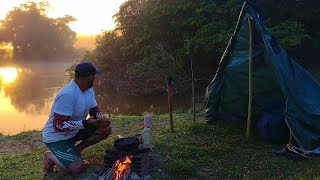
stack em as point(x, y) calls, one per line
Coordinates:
point(27, 91)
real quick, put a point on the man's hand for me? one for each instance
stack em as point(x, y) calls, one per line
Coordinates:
point(102, 121)
point(106, 120)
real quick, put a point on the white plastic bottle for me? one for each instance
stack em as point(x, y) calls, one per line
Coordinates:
point(146, 135)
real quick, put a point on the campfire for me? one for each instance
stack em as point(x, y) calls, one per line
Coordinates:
point(131, 157)
point(126, 162)
point(121, 169)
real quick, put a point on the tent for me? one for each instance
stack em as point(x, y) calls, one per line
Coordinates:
point(276, 79)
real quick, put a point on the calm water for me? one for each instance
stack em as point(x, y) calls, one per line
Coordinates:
point(26, 94)
point(27, 91)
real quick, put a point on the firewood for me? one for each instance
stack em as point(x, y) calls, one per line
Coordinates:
point(127, 175)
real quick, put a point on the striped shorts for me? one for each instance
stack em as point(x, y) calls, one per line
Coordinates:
point(65, 150)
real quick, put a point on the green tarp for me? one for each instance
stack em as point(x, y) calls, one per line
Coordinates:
point(276, 78)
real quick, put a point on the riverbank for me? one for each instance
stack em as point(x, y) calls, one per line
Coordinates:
point(23, 142)
point(194, 151)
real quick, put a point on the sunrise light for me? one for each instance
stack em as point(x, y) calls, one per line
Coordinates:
point(6, 46)
point(93, 16)
point(8, 74)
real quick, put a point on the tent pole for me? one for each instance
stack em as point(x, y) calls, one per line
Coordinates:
point(250, 80)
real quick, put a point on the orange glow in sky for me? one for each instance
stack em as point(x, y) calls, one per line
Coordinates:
point(92, 16)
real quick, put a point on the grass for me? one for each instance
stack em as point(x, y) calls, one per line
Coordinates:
point(193, 151)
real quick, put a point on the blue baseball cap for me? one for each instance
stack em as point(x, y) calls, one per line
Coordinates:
point(86, 69)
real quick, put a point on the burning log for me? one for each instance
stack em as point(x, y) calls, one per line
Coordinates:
point(106, 175)
point(126, 175)
point(127, 165)
point(122, 168)
point(110, 175)
point(134, 176)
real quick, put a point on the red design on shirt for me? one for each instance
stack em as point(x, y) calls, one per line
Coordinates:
point(61, 123)
point(58, 122)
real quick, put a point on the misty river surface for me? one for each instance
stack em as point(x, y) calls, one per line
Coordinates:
point(27, 92)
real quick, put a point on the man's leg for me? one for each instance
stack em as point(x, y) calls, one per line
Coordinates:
point(98, 135)
point(49, 161)
point(66, 151)
point(75, 167)
point(65, 155)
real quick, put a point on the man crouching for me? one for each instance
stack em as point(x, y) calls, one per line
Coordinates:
point(67, 123)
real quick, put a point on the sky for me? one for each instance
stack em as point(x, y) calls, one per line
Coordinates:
point(93, 16)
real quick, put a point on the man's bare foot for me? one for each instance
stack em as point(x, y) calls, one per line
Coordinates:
point(48, 164)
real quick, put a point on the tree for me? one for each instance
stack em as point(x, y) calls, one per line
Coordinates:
point(34, 35)
point(152, 39)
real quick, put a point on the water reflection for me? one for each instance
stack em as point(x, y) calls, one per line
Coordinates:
point(6, 53)
point(114, 103)
point(28, 90)
point(26, 94)
point(8, 74)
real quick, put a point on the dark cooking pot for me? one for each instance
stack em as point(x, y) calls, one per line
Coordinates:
point(127, 144)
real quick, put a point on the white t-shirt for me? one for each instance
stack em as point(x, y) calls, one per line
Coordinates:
point(70, 101)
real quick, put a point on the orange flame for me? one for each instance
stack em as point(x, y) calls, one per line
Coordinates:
point(121, 168)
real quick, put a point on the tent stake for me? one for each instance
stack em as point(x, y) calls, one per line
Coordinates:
point(192, 45)
point(170, 93)
point(250, 80)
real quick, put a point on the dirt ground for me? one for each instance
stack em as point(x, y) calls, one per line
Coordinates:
point(21, 143)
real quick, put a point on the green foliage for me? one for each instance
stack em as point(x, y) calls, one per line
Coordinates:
point(291, 33)
point(153, 79)
point(35, 35)
point(152, 39)
point(294, 24)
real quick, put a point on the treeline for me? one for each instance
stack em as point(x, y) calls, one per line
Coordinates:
point(152, 40)
point(34, 35)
